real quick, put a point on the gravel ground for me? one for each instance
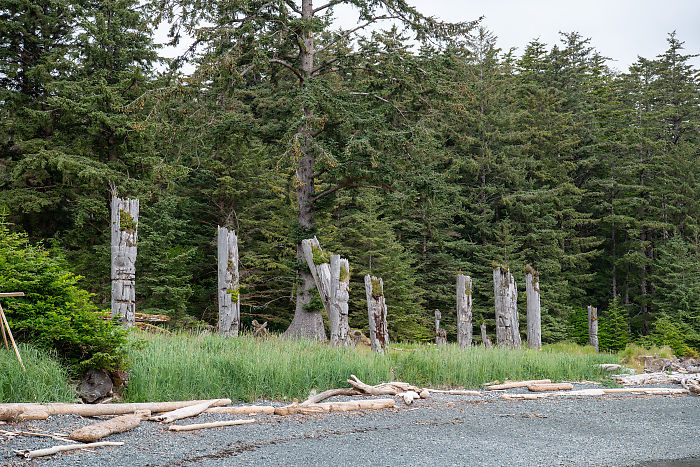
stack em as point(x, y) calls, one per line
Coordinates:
point(611, 430)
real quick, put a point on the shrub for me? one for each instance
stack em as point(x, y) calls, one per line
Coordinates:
point(54, 313)
point(667, 332)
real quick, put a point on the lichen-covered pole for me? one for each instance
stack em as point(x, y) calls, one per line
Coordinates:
point(124, 226)
point(506, 306)
point(534, 319)
point(228, 282)
point(593, 326)
point(376, 311)
point(464, 310)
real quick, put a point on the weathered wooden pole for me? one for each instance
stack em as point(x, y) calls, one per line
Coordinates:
point(534, 318)
point(484, 338)
point(464, 310)
point(593, 326)
point(339, 296)
point(440, 334)
point(321, 273)
point(124, 223)
point(376, 311)
point(506, 305)
point(228, 282)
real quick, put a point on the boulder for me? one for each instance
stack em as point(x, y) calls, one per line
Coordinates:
point(94, 385)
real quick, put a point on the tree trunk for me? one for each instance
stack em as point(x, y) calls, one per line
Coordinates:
point(506, 304)
point(228, 280)
point(309, 323)
point(593, 326)
point(125, 218)
point(340, 294)
point(534, 319)
point(485, 338)
point(440, 334)
point(464, 310)
point(376, 311)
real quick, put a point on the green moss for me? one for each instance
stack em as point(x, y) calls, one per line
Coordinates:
point(127, 223)
point(344, 274)
point(235, 293)
point(319, 255)
point(377, 288)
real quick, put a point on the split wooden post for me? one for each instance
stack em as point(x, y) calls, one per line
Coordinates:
point(464, 310)
point(534, 317)
point(339, 296)
point(125, 219)
point(440, 334)
point(506, 305)
point(376, 311)
point(228, 282)
point(593, 326)
point(5, 325)
point(485, 338)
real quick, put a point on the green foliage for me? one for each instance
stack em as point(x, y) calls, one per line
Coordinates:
point(613, 328)
point(45, 379)
point(344, 274)
point(320, 256)
point(54, 313)
point(127, 223)
point(578, 326)
point(666, 332)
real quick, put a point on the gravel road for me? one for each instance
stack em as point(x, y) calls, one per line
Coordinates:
point(611, 430)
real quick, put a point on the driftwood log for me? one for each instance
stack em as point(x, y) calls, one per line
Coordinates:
point(506, 306)
point(119, 424)
point(548, 387)
point(202, 426)
point(372, 404)
point(124, 227)
point(27, 454)
point(243, 410)
point(598, 392)
point(454, 392)
point(464, 311)
point(331, 393)
point(228, 281)
point(517, 384)
point(376, 313)
point(534, 317)
point(658, 378)
point(185, 412)
point(96, 410)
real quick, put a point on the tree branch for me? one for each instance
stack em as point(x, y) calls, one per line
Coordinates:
point(290, 67)
point(327, 5)
point(347, 33)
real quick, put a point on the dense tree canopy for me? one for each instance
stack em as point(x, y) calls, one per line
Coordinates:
point(417, 151)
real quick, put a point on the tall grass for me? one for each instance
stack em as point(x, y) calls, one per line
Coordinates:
point(182, 367)
point(45, 380)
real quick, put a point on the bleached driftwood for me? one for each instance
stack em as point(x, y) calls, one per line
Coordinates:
point(548, 387)
point(119, 424)
point(202, 426)
point(657, 378)
point(598, 392)
point(228, 281)
point(27, 454)
point(124, 227)
point(464, 310)
point(593, 326)
point(331, 393)
point(243, 410)
point(610, 366)
point(534, 319)
point(376, 312)
point(454, 392)
point(96, 410)
point(346, 406)
point(184, 412)
point(393, 388)
point(506, 306)
point(409, 396)
point(517, 384)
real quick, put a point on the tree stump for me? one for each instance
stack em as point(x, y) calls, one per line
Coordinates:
point(376, 311)
point(229, 283)
point(534, 319)
point(464, 310)
point(506, 305)
point(124, 226)
point(484, 338)
point(440, 334)
point(593, 326)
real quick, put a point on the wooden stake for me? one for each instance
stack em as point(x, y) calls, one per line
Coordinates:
point(228, 282)
point(9, 332)
point(593, 326)
point(464, 310)
point(534, 319)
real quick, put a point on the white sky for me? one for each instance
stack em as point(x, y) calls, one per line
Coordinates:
point(619, 29)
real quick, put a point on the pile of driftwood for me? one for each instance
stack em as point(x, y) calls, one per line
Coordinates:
point(689, 381)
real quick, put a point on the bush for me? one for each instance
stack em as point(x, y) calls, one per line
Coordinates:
point(54, 313)
point(667, 332)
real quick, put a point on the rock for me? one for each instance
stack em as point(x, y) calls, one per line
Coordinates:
point(610, 366)
point(94, 385)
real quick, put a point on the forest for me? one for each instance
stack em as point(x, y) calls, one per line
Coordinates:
point(415, 148)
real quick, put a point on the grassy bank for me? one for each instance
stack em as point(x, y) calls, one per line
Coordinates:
point(45, 379)
point(186, 367)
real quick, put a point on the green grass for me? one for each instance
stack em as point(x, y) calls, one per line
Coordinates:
point(181, 367)
point(45, 380)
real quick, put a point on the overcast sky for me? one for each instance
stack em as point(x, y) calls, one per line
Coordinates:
point(619, 29)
